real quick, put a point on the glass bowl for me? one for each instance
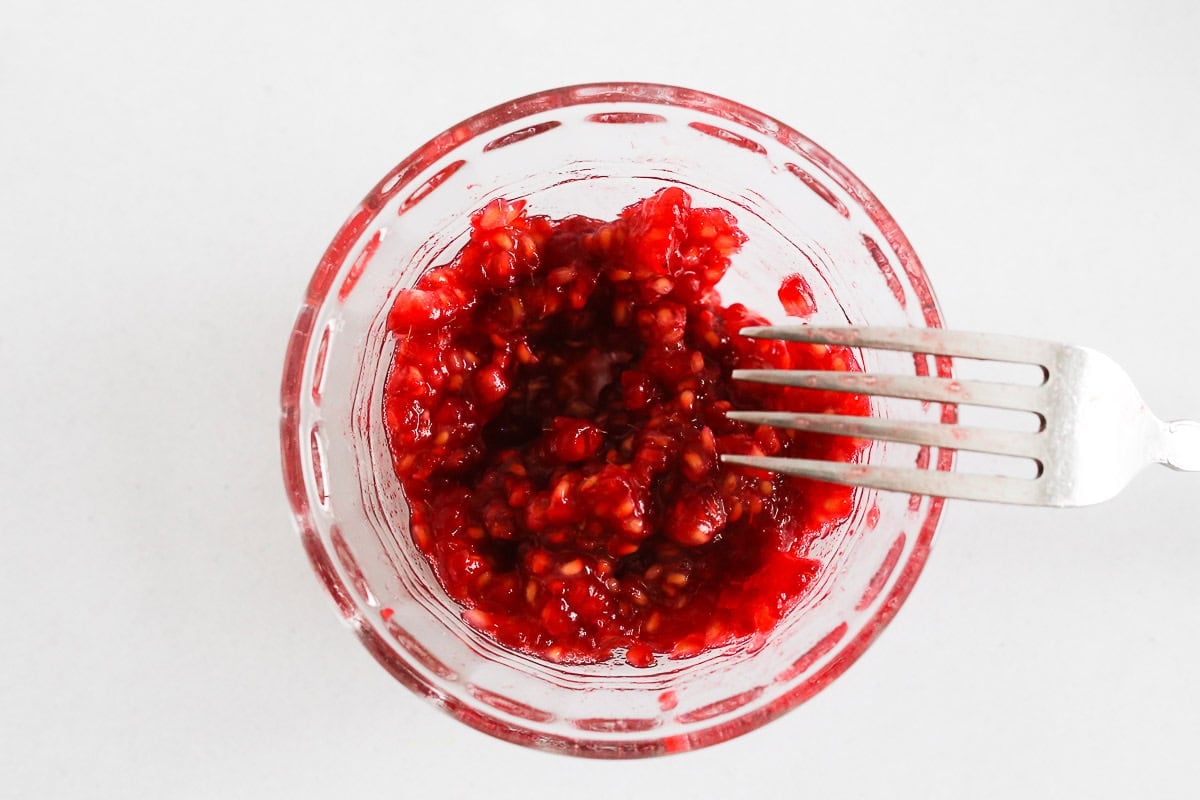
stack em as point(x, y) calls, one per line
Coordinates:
point(594, 149)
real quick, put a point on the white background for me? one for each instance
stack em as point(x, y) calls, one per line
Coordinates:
point(169, 178)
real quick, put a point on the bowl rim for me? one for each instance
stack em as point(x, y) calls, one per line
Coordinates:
point(319, 287)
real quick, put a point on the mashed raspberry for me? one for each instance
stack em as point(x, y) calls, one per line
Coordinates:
point(555, 408)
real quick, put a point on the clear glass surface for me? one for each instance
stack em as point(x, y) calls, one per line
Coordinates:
point(593, 150)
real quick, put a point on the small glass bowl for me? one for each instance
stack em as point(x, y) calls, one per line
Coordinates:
point(594, 149)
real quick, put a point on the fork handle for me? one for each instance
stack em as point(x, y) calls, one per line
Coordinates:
point(1182, 445)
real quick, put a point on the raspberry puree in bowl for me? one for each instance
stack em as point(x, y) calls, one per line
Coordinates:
point(555, 408)
point(503, 410)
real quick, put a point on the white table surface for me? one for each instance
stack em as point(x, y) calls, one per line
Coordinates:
point(168, 179)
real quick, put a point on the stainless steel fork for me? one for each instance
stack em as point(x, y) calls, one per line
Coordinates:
point(1097, 432)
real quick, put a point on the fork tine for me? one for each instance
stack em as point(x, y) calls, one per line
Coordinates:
point(933, 434)
point(934, 341)
point(937, 390)
point(995, 489)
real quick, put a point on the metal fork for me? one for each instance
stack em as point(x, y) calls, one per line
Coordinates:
point(1097, 432)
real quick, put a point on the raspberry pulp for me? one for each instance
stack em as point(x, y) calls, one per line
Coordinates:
point(555, 407)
